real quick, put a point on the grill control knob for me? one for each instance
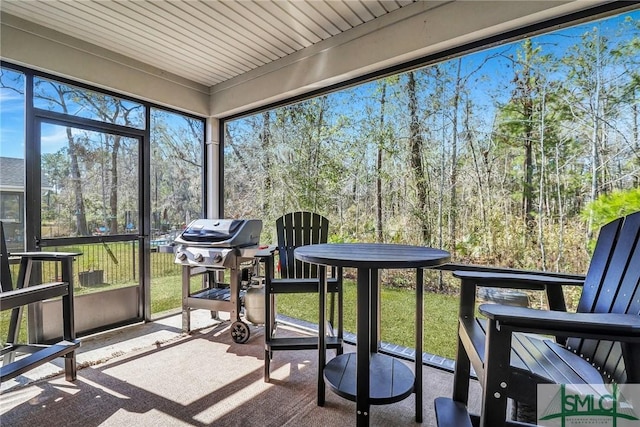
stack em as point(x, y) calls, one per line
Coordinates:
point(217, 258)
point(181, 256)
point(198, 258)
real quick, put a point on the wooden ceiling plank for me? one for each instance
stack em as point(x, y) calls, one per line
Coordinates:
point(293, 16)
point(210, 35)
point(375, 6)
point(140, 42)
point(332, 15)
point(359, 8)
point(280, 18)
point(242, 38)
point(312, 13)
point(342, 8)
point(261, 22)
point(179, 38)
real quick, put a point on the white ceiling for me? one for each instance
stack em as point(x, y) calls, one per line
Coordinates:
point(205, 41)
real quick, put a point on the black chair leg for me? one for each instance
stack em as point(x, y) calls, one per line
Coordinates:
point(322, 334)
point(496, 378)
point(332, 307)
point(461, 375)
point(340, 348)
point(267, 366)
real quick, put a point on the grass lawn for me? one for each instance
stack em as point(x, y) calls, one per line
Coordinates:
point(397, 316)
point(397, 311)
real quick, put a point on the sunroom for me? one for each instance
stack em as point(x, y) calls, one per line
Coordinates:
point(505, 133)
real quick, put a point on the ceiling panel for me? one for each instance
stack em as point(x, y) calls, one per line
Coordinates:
point(204, 41)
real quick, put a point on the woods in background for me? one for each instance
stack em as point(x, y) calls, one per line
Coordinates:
point(511, 156)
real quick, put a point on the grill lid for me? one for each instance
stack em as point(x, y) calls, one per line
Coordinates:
point(221, 233)
point(208, 231)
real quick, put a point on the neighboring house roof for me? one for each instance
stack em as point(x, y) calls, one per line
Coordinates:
point(12, 175)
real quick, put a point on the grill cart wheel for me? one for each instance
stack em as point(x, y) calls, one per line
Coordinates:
point(240, 332)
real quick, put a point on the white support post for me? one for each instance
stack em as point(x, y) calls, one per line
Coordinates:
point(212, 175)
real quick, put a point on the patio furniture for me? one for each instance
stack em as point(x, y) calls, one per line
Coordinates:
point(599, 345)
point(25, 294)
point(369, 377)
point(293, 230)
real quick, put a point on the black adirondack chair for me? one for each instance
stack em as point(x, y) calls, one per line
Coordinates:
point(14, 361)
point(293, 230)
point(599, 344)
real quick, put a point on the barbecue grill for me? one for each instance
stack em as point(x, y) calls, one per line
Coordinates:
point(211, 246)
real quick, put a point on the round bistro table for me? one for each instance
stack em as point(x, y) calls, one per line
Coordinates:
point(368, 377)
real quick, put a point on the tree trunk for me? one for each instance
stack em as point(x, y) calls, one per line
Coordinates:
point(527, 191)
point(541, 215)
point(595, 153)
point(113, 192)
point(379, 166)
point(636, 139)
point(415, 150)
point(266, 150)
point(453, 174)
point(76, 178)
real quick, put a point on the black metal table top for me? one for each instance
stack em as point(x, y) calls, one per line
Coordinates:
point(372, 255)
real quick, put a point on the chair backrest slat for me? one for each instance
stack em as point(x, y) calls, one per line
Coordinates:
point(598, 266)
point(627, 299)
point(6, 283)
point(297, 229)
point(611, 286)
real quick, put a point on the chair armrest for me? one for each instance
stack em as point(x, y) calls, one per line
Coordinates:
point(35, 293)
point(609, 326)
point(522, 280)
point(491, 269)
point(45, 256)
point(530, 280)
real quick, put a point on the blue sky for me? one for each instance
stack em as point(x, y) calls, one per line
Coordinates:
point(11, 123)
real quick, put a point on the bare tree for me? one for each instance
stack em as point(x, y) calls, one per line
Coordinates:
point(416, 147)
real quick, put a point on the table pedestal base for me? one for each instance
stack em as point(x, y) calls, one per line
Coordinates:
point(390, 380)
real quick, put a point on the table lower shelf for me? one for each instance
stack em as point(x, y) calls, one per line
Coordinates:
point(390, 380)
